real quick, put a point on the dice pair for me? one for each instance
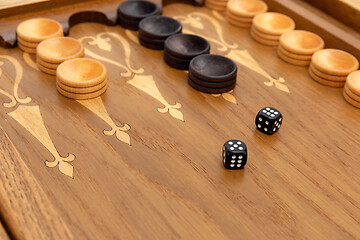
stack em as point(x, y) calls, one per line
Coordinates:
point(267, 121)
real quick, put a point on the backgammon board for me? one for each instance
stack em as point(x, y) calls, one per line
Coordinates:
point(143, 161)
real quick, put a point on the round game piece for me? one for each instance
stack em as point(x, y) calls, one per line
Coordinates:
point(238, 19)
point(246, 8)
point(264, 35)
point(177, 60)
point(213, 68)
point(263, 40)
point(46, 70)
point(301, 42)
point(82, 90)
point(220, 8)
point(350, 100)
point(26, 49)
point(293, 55)
point(273, 23)
point(46, 64)
point(175, 65)
point(79, 96)
point(210, 90)
point(292, 60)
point(129, 26)
point(152, 46)
point(159, 27)
point(59, 49)
point(351, 93)
point(137, 10)
point(150, 40)
point(353, 82)
point(335, 62)
point(327, 76)
point(81, 72)
point(27, 44)
point(236, 23)
point(324, 81)
point(186, 46)
point(220, 4)
point(211, 84)
point(38, 29)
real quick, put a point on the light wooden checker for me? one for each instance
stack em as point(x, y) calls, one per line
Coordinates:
point(324, 81)
point(265, 35)
point(46, 70)
point(237, 18)
point(273, 23)
point(353, 82)
point(80, 96)
point(246, 8)
point(293, 55)
point(327, 76)
point(292, 60)
point(36, 30)
point(301, 42)
point(27, 44)
point(46, 64)
point(350, 100)
point(237, 23)
point(27, 49)
point(351, 94)
point(82, 90)
point(263, 40)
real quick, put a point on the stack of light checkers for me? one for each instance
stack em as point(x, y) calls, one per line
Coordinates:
point(33, 31)
point(81, 78)
point(298, 46)
point(180, 49)
point(267, 28)
point(218, 5)
point(212, 74)
point(154, 30)
point(52, 52)
point(352, 89)
point(332, 66)
point(130, 13)
point(240, 13)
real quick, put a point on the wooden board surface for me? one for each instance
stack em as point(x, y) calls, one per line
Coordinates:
point(3, 233)
point(144, 160)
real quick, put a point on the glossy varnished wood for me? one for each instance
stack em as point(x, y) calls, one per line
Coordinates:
point(156, 170)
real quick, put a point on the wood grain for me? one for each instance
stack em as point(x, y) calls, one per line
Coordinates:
point(25, 208)
point(3, 233)
point(169, 183)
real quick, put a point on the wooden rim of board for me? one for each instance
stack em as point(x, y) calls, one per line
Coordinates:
point(79, 96)
point(264, 41)
point(36, 30)
point(59, 49)
point(324, 81)
point(350, 100)
point(301, 42)
point(247, 8)
point(27, 49)
point(81, 72)
point(292, 60)
point(293, 55)
point(81, 90)
point(238, 19)
point(351, 93)
point(327, 76)
point(46, 70)
point(264, 35)
point(335, 62)
point(46, 64)
point(236, 23)
point(273, 23)
point(27, 44)
point(353, 82)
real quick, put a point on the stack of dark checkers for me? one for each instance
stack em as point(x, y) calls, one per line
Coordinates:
point(81, 78)
point(331, 67)
point(130, 13)
point(154, 30)
point(213, 74)
point(298, 46)
point(352, 89)
point(33, 31)
point(268, 27)
point(53, 51)
point(180, 49)
point(240, 13)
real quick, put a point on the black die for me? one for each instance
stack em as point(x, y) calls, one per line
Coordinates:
point(234, 154)
point(268, 120)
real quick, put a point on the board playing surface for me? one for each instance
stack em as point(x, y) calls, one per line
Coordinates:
point(143, 161)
